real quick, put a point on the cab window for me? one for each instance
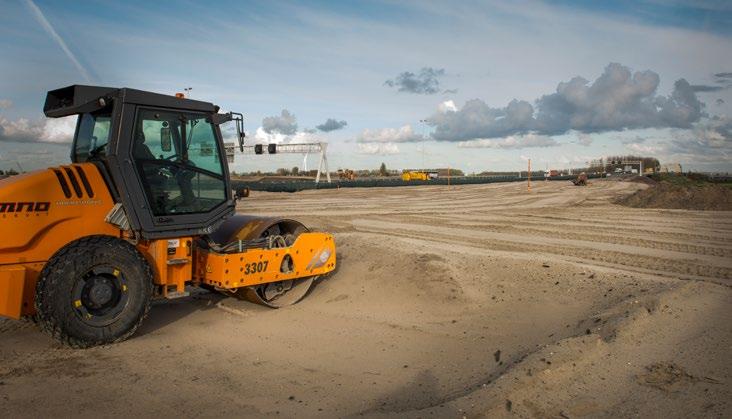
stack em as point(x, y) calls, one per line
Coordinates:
point(92, 136)
point(179, 161)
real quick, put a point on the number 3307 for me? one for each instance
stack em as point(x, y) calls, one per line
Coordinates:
point(255, 267)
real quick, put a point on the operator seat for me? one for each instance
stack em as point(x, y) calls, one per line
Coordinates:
point(140, 149)
point(153, 181)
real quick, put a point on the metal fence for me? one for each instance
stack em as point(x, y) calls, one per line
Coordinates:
point(299, 185)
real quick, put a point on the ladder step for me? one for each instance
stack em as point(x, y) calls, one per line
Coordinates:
point(172, 295)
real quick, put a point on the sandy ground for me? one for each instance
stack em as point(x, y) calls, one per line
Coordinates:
point(483, 300)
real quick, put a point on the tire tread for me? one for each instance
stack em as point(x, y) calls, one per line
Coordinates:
point(47, 281)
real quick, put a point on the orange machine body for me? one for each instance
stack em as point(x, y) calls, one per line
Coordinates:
point(312, 254)
point(40, 212)
point(178, 262)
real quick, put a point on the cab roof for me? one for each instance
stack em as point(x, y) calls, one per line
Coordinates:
point(76, 99)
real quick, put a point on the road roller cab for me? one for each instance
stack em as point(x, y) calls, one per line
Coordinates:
point(145, 209)
point(163, 155)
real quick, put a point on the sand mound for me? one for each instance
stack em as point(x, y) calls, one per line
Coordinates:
point(667, 195)
point(640, 179)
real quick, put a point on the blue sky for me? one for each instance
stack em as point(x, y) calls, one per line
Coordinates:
point(382, 67)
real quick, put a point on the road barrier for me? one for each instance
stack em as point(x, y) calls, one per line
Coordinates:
point(299, 185)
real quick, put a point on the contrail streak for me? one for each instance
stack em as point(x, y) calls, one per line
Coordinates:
point(38, 15)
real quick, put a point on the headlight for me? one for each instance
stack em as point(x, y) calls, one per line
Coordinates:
point(319, 259)
point(324, 256)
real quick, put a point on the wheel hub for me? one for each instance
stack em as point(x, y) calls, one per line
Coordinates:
point(100, 296)
point(101, 291)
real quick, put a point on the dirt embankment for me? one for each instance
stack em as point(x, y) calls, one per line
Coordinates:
point(672, 195)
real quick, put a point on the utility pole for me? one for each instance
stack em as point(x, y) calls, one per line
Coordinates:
point(529, 177)
point(424, 121)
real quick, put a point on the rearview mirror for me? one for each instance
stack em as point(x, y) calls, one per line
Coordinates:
point(166, 141)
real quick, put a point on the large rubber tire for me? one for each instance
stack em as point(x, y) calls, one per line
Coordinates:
point(111, 265)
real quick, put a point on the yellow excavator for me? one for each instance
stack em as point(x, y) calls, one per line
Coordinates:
point(145, 210)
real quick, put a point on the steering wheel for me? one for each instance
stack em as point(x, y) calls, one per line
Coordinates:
point(167, 171)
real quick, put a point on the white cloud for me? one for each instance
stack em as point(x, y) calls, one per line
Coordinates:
point(715, 133)
point(425, 83)
point(284, 123)
point(263, 137)
point(305, 137)
point(643, 148)
point(710, 140)
point(331, 124)
point(511, 142)
point(6, 103)
point(447, 106)
point(584, 139)
point(378, 148)
point(584, 159)
point(617, 100)
point(404, 134)
point(60, 130)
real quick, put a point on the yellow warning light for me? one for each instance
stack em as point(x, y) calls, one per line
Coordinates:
point(180, 95)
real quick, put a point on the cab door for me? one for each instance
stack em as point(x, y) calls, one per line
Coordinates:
point(175, 171)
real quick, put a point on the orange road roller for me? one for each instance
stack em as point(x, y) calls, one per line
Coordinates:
point(145, 210)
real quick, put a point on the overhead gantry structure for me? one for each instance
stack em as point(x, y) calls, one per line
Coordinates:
point(300, 148)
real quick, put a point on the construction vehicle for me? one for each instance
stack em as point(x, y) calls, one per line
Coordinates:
point(144, 210)
point(346, 174)
point(581, 180)
point(241, 193)
point(415, 175)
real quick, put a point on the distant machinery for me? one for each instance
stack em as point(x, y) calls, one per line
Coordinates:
point(408, 175)
point(581, 180)
point(627, 165)
point(347, 174)
point(303, 148)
